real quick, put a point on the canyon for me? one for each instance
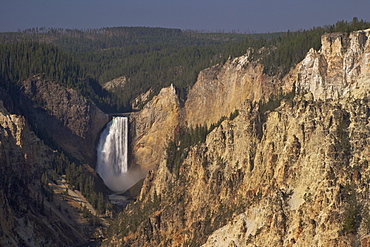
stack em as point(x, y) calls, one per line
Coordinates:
point(39, 208)
point(291, 175)
point(283, 161)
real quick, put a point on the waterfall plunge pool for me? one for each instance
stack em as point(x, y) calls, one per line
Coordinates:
point(112, 157)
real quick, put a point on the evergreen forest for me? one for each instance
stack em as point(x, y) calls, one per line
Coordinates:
point(150, 58)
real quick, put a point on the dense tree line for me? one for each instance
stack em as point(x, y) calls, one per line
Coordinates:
point(285, 51)
point(151, 58)
point(21, 60)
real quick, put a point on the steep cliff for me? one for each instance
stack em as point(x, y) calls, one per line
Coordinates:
point(153, 127)
point(63, 116)
point(218, 92)
point(339, 69)
point(39, 207)
point(295, 175)
point(28, 217)
point(221, 89)
point(308, 180)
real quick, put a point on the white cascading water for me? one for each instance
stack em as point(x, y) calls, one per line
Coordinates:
point(112, 153)
point(112, 148)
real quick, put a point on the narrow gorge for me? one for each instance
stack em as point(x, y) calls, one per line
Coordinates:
point(291, 174)
point(223, 153)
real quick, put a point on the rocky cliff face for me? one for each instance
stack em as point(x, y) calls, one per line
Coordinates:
point(218, 92)
point(26, 217)
point(63, 116)
point(221, 89)
point(153, 127)
point(295, 175)
point(308, 182)
point(37, 209)
point(339, 69)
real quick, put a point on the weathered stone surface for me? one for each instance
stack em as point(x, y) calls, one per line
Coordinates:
point(25, 219)
point(116, 84)
point(64, 116)
point(339, 69)
point(20, 148)
point(141, 100)
point(153, 127)
point(293, 176)
point(221, 89)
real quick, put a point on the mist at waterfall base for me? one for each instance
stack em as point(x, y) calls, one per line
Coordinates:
point(112, 152)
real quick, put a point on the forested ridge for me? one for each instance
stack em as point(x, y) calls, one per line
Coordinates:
point(150, 58)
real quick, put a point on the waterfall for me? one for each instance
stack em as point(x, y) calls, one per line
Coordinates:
point(112, 153)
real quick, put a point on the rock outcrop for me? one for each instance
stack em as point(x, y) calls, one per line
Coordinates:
point(141, 100)
point(222, 89)
point(26, 217)
point(153, 127)
point(116, 84)
point(63, 116)
point(295, 175)
point(339, 69)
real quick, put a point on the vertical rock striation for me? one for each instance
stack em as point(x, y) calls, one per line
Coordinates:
point(25, 219)
point(153, 127)
point(339, 69)
point(296, 175)
point(63, 116)
point(221, 90)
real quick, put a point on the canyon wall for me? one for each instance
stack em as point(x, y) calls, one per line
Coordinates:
point(152, 128)
point(295, 175)
point(221, 90)
point(27, 217)
point(63, 116)
point(340, 69)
